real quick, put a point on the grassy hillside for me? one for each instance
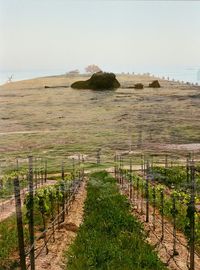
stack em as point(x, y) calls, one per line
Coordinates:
point(59, 121)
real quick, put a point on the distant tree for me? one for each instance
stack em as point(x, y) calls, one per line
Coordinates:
point(92, 69)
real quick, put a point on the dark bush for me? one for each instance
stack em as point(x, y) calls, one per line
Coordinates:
point(98, 81)
point(138, 86)
point(155, 84)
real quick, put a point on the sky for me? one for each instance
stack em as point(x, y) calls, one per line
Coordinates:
point(116, 35)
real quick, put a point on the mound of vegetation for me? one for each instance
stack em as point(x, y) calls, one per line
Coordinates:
point(155, 84)
point(138, 86)
point(110, 237)
point(98, 81)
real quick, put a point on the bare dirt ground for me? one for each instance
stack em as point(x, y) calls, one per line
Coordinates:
point(65, 236)
point(7, 208)
point(186, 147)
point(164, 247)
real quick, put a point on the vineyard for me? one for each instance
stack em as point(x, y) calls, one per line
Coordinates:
point(144, 201)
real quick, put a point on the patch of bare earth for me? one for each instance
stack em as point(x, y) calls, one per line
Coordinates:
point(187, 147)
point(65, 236)
point(164, 247)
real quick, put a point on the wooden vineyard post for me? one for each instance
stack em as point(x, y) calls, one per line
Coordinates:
point(62, 171)
point(141, 164)
point(187, 170)
point(122, 164)
point(41, 170)
point(142, 198)
point(166, 161)
point(31, 212)
point(98, 156)
point(63, 191)
point(191, 214)
point(58, 206)
point(174, 210)
point(120, 170)
point(79, 168)
point(35, 172)
point(144, 166)
point(115, 166)
point(45, 171)
point(131, 181)
point(73, 168)
point(147, 192)
point(162, 213)
point(19, 222)
point(67, 197)
point(154, 207)
point(152, 160)
point(63, 200)
point(137, 188)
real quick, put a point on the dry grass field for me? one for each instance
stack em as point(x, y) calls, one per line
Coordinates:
point(60, 120)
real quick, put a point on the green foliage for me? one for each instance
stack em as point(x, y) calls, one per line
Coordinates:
point(9, 242)
point(6, 182)
point(110, 237)
point(174, 175)
point(183, 210)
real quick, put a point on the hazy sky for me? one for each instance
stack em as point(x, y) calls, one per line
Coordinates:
point(116, 35)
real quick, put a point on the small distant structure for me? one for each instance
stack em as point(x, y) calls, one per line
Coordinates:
point(73, 72)
point(10, 78)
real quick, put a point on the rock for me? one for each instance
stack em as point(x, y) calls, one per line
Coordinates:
point(138, 86)
point(71, 227)
point(155, 84)
point(98, 81)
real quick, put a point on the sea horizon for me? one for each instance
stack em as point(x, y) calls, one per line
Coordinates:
point(187, 74)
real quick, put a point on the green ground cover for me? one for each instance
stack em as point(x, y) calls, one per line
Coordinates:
point(110, 237)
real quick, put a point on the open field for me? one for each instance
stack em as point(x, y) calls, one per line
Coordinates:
point(60, 121)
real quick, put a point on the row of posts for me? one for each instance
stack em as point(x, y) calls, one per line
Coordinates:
point(146, 166)
point(18, 204)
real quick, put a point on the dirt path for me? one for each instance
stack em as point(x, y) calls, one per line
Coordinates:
point(55, 260)
point(7, 208)
point(164, 247)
